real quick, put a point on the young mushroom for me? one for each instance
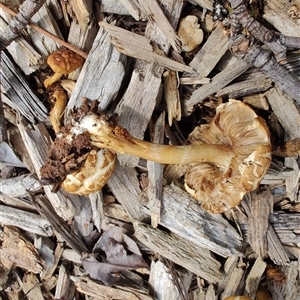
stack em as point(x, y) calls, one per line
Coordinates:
point(227, 158)
point(62, 62)
point(190, 33)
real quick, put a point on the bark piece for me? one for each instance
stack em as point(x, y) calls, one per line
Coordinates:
point(161, 282)
point(22, 52)
point(277, 13)
point(91, 288)
point(182, 252)
point(17, 251)
point(172, 96)
point(155, 175)
point(155, 14)
point(246, 87)
point(101, 75)
point(211, 52)
point(20, 94)
point(254, 277)
point(45, 20)
point(83, 10)
point(28, 221)
point(65, 288)
point(217, 82)
point(260, 205)
point(134, 114)
point(275, 248)
point(183, 215)
point(208, 4)
point(32, 287)
point(46, 210)
point(125, 187)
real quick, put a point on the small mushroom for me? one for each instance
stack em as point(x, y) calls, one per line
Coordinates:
point(93, 175)
point(190, 34)
point(62, 62)
point(56, 113)
point(226, 158)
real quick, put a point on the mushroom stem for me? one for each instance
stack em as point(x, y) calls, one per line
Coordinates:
point(118, 139)
point(55, 77)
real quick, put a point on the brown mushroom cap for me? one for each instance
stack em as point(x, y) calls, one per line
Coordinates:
point(62, 61)
point(93, 175)
point(237, 125)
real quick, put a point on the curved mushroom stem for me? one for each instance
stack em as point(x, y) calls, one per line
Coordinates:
point(118, 139)
point(55, 77)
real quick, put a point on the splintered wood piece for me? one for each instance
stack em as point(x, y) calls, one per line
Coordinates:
point(277, 13)
point(246, 87)
point(260, 204)
point(125, 186)
point(98, 216)
point(182, 252)
point(83, 10)
point(32, 287)
point(161, 283)
point(22, 98)
point(15, 27)
point(208, 4)
point(155, 14)
point(289, 118)
point(286, 226)
point(65, 288)
point(172, 96)
point(217, 82)
point(46, 210)
point(23, 54)
point(28, 221)
point(211, 52)
point(183, 215)
point(233, 280)
point(93, 289)
point(49, 270)
point(133, 8)
point(45, 20)
point(155, 174)
point(83, 39)
point(17, 251)
point(118, 7)
point(139, 47)
point(276, 250)
point(286, 112)
point(101, 75)
point(254, 277)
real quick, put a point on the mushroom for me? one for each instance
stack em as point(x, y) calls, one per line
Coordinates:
point(62, 62)
point(190, 34)
point(227, 158)
point(60, 101)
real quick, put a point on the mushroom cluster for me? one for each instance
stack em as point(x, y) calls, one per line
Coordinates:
point(226, 158)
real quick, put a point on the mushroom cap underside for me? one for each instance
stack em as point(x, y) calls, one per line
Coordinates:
point(237, 125)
